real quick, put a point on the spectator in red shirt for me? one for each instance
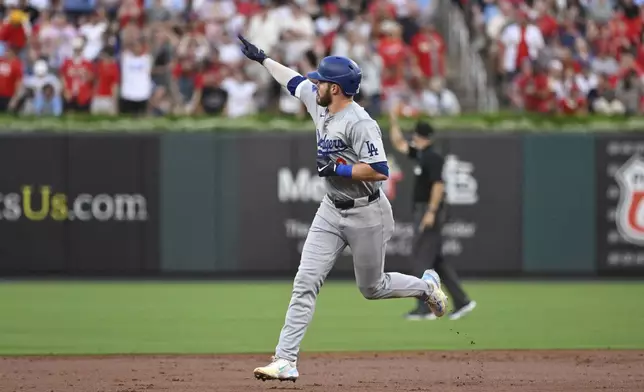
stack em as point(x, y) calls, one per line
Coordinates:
point(618, 37)
point(429, 51)
point(10, 79)
point(382, 10)
point(15, 30)
point(639, 51)
point(630, 14)
point(78, 76)
point(574, 103)
point(392, 49)
point(532, 89)
point(106, 90)
point(518, 90)
point(130, 11)
point(545, 21)
point(248, 8)
point(570, 99)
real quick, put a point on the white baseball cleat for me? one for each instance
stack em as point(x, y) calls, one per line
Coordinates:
point(279, 369)
point(437, 300)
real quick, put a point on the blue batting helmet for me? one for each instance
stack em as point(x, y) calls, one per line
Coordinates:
point(339, 70)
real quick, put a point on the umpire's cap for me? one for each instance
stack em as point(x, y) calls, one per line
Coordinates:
point(424, 129)
point(339, 70)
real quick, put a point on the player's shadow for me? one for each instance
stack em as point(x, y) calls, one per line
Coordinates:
point(286, 388)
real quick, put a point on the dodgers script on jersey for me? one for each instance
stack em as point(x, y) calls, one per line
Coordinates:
point(348, 137)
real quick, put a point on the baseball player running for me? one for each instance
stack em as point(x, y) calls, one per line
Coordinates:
point(354, 212)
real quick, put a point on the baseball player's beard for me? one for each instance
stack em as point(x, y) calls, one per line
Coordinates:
point(324, 100)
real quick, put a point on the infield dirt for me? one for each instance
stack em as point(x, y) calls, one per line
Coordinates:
point(498, 371)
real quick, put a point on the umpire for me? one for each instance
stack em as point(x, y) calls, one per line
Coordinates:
point(429, 216)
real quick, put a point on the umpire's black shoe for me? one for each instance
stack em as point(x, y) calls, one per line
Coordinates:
point(421, 312)
point(462, 311)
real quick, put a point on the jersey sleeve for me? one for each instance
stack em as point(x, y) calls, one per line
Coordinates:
point(304, 90)
point(366, 140)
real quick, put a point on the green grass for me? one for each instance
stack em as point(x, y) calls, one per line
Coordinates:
point(207, 317)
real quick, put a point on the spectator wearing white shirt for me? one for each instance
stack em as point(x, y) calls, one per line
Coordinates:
point(219, 11)
point(229, 53)
point(241, 91)
point(136, 79)
point(439, 100)
point(361, 25)
point(93, 32)
point(556, 79)
point(520, 40)
point(222, 13)
point(498, 20)
point(372, 66)
point(55, 37)
point(298, 33)
point(40, 5)
point(263, 28)
point(586, 80)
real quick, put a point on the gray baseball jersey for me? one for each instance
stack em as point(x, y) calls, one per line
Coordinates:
point(348, 137)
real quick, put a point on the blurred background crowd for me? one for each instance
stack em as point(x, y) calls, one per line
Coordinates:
point(563, 56)
point(160, 57)
point(182, 57)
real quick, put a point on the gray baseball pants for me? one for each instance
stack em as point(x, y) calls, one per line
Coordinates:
point(366, 229)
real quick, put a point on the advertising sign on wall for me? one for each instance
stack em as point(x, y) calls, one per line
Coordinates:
point(483, 191)
point(79, 204)
point(483, 186)
point(620, 203)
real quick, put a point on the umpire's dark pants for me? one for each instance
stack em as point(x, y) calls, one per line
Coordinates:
point(427, 253)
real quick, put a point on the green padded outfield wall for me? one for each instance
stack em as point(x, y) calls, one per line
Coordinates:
point(198, 202)
point(559, 203)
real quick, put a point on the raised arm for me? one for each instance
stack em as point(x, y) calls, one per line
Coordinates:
point(295, 83)
point(282, 74)
point(395, 134)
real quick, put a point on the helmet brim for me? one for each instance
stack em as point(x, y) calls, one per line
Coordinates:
point(315, 75)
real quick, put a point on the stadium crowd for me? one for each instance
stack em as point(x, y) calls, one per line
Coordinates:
point(564, 56)
point(160, 57)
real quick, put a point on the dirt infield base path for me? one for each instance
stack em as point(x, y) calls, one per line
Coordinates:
point(498, 371)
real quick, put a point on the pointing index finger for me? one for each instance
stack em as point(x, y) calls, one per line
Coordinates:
point(242, 39)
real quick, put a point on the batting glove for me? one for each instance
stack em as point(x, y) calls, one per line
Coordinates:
point(326, 167)
point(251, 51)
